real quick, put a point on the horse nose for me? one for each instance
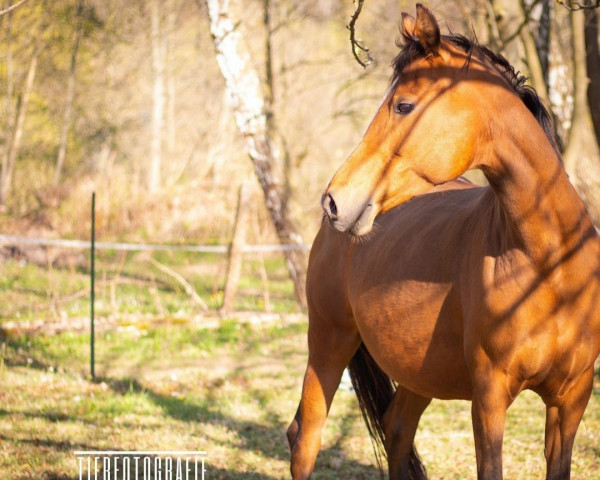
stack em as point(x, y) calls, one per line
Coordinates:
point(329, 206)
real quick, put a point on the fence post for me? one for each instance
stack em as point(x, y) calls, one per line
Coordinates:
point(234, 267)
point(92, 292)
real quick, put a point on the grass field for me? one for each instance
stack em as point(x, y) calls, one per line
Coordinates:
point(170, 377)
point(230, 391)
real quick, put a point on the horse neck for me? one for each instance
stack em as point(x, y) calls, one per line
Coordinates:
point(544, 211)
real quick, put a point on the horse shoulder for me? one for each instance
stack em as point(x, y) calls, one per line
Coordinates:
point(326, 278)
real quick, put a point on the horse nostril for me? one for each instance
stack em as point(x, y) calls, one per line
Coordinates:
point(332, 206)
point(329, 206)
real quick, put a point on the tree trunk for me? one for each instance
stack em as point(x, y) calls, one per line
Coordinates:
point(234, 267)
point(582, 155)
point(542, 39)
point(535, 61)
point(17, 132)
point(508, 22)
point(64, 134)
point(273, 133)
point(592, 50)
point(170, 75)
point(247, 99)
point(158, 97)
point(8, 119)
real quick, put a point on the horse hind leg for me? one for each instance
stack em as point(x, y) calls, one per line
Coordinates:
point(392, 415)
point(331, 346)
point(400, 424)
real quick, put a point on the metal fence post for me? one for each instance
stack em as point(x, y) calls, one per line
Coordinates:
point(92, 275)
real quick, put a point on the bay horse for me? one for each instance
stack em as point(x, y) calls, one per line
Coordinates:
point(431, 287)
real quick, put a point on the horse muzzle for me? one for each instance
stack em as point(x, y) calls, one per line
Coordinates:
point(354, 218)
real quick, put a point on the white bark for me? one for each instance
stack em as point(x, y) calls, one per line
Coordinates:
point(242, 82)
point(246, 97)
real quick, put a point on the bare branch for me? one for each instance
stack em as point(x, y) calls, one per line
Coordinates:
point(357, 46)
point(574, 5)
point(189, 289)
point(527, 10)
point(12, 7)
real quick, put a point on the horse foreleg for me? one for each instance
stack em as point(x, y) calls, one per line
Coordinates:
point(400, 422)
point(330, 351)
point(562, 420)
point(488, 411)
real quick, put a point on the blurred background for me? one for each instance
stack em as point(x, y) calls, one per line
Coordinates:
point(126, 99)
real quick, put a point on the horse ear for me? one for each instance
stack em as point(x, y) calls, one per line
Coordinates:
point(427, 30)
point(407, 28)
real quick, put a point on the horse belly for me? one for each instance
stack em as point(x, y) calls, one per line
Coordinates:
point(402, 288)
point(413, 330)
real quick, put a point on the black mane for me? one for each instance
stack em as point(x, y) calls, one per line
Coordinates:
point(412, 50)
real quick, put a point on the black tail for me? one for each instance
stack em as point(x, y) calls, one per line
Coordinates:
point(375, 390)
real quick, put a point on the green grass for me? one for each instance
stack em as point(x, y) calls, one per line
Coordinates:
point(230, 391)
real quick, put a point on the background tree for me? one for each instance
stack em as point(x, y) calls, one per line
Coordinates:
point(256, 125)
point(62, 146)
point(582, 154)
point(158, 94)
point(592, 50)
point(17, 99)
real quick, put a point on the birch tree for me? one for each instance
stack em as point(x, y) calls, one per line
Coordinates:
point(247, 99)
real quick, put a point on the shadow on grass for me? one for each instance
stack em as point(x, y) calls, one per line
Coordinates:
point(269, 440)
point(350, 469)
point(266, 436)
point(22, 360)
point(50, 476)
point(64, 446)
point(357, 472)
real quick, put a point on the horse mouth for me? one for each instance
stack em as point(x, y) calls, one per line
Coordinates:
point(358, 226)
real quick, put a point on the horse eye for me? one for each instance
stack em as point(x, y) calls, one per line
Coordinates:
point(404, 108)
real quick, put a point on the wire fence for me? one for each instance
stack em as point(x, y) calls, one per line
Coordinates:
point(141, 247)
point(134, 281)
